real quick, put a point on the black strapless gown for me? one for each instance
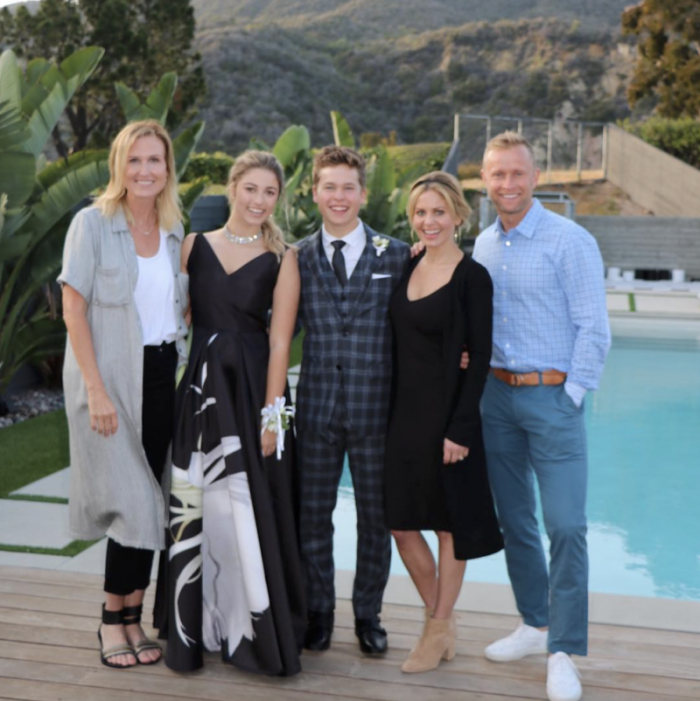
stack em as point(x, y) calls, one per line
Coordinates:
point(233, 576)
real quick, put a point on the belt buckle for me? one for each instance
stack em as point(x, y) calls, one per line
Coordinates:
point(517, 379)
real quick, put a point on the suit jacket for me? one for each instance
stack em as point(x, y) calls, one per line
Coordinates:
point(348, 336)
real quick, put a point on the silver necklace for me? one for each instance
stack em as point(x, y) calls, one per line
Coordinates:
point(239, 239)
point(145, 232)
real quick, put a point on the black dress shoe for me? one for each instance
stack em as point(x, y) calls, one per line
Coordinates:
point(371, 635)
point(318, 634)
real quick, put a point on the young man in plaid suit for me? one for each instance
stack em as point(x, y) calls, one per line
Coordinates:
point(348, 274)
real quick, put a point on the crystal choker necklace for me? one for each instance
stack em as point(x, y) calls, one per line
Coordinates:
point(240, 239)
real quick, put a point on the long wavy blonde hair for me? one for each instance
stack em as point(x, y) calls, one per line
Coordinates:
point(114, 196)
point(273, 236)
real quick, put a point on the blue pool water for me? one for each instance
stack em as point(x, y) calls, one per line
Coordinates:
point(644, 487)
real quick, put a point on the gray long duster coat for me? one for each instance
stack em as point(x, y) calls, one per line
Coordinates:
point(113, 491)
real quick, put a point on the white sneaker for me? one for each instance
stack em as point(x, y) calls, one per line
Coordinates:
point(524, 640)
point(563, 679)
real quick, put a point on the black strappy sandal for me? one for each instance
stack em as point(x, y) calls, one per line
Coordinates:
point(114, 618)
point(132, 615)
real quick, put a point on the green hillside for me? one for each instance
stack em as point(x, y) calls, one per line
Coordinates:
point(264, 76)
point(377, 18)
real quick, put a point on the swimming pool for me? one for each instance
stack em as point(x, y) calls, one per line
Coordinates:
point(644, 485)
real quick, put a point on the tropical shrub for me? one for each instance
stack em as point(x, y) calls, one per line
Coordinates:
point(36, 198)
point(213, 166)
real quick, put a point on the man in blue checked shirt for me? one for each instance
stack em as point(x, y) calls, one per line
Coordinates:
point(550, 339)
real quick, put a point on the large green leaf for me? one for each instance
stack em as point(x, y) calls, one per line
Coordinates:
point(14, 220)
point(157, 104)
point(294, 140)
point(294, 181)
point(82, 63)
point(53, 172)
point(13, 247)
point(161, 97)
point(33, 340)
point(13, 128)
point(65, 193)
point(10, 83)
point(185, 145)
point(36, 69)
point(381, 210)
point(17, 177)
point(381, 179)
point(128, 101)
point(192, 192)
point(47, 99)
point(342, 134)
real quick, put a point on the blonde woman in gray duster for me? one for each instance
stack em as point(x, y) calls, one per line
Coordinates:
point(123, 304)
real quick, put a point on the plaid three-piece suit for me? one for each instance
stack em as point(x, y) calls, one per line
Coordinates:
point(342, 406)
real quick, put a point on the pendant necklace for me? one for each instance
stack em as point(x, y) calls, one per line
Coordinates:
point(145, 232)
point(239, 239)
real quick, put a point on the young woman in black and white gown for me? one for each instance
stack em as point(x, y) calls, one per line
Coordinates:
point(233, 574)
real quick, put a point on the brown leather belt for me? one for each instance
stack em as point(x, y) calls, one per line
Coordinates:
point(529, 379)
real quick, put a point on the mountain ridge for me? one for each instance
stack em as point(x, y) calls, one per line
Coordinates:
point(397, 17)
point(263, 78)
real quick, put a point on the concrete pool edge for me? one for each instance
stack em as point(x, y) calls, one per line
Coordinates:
point(611, 609)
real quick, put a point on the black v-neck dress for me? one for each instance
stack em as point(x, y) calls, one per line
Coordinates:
point(413, 486)
point(233, 576)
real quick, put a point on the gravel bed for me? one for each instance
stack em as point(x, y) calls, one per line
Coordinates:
point(30, 403)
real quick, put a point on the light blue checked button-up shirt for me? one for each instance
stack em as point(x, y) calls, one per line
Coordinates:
point(549, 298)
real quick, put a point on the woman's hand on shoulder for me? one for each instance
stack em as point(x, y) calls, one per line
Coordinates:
point(186, 250)
point(452, 453)
point(417, 249)
point(103, 413)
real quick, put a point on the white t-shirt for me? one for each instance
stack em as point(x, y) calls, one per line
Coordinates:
point(154, 297)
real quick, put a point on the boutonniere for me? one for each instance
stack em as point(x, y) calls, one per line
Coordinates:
point(380, 243)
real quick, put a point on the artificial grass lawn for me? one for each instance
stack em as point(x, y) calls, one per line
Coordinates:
point(32, 449)
point(71, 550)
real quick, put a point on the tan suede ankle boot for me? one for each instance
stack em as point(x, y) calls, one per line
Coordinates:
point(437, 642)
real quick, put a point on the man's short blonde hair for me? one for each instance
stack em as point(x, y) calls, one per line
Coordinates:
point(509, 139)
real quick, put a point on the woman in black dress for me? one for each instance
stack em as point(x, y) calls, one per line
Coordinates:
point(234, 575)
point(435, 467)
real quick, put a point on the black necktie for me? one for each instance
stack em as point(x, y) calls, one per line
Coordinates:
point(338, 262)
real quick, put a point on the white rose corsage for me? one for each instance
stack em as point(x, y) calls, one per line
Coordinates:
point(276, 418)
point(380, 243)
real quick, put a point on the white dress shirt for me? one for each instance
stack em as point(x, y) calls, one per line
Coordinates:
point(355, 243)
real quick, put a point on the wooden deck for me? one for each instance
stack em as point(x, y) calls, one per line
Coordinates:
point(48, 652)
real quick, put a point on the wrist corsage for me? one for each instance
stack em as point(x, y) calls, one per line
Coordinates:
point(380, 243)
point(276, 418)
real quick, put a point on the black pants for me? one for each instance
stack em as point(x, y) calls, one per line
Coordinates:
point(129, 569)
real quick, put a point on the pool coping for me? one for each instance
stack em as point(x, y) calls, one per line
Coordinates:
point(611, 609)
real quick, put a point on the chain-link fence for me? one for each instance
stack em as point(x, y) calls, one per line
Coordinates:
point(565, 150)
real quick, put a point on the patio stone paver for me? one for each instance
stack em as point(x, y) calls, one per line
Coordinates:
point(90, 561)
point(55, 485)
point(49, 562)
point(33, 523)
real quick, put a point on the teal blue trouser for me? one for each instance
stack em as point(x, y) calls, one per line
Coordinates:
point(538, 432)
